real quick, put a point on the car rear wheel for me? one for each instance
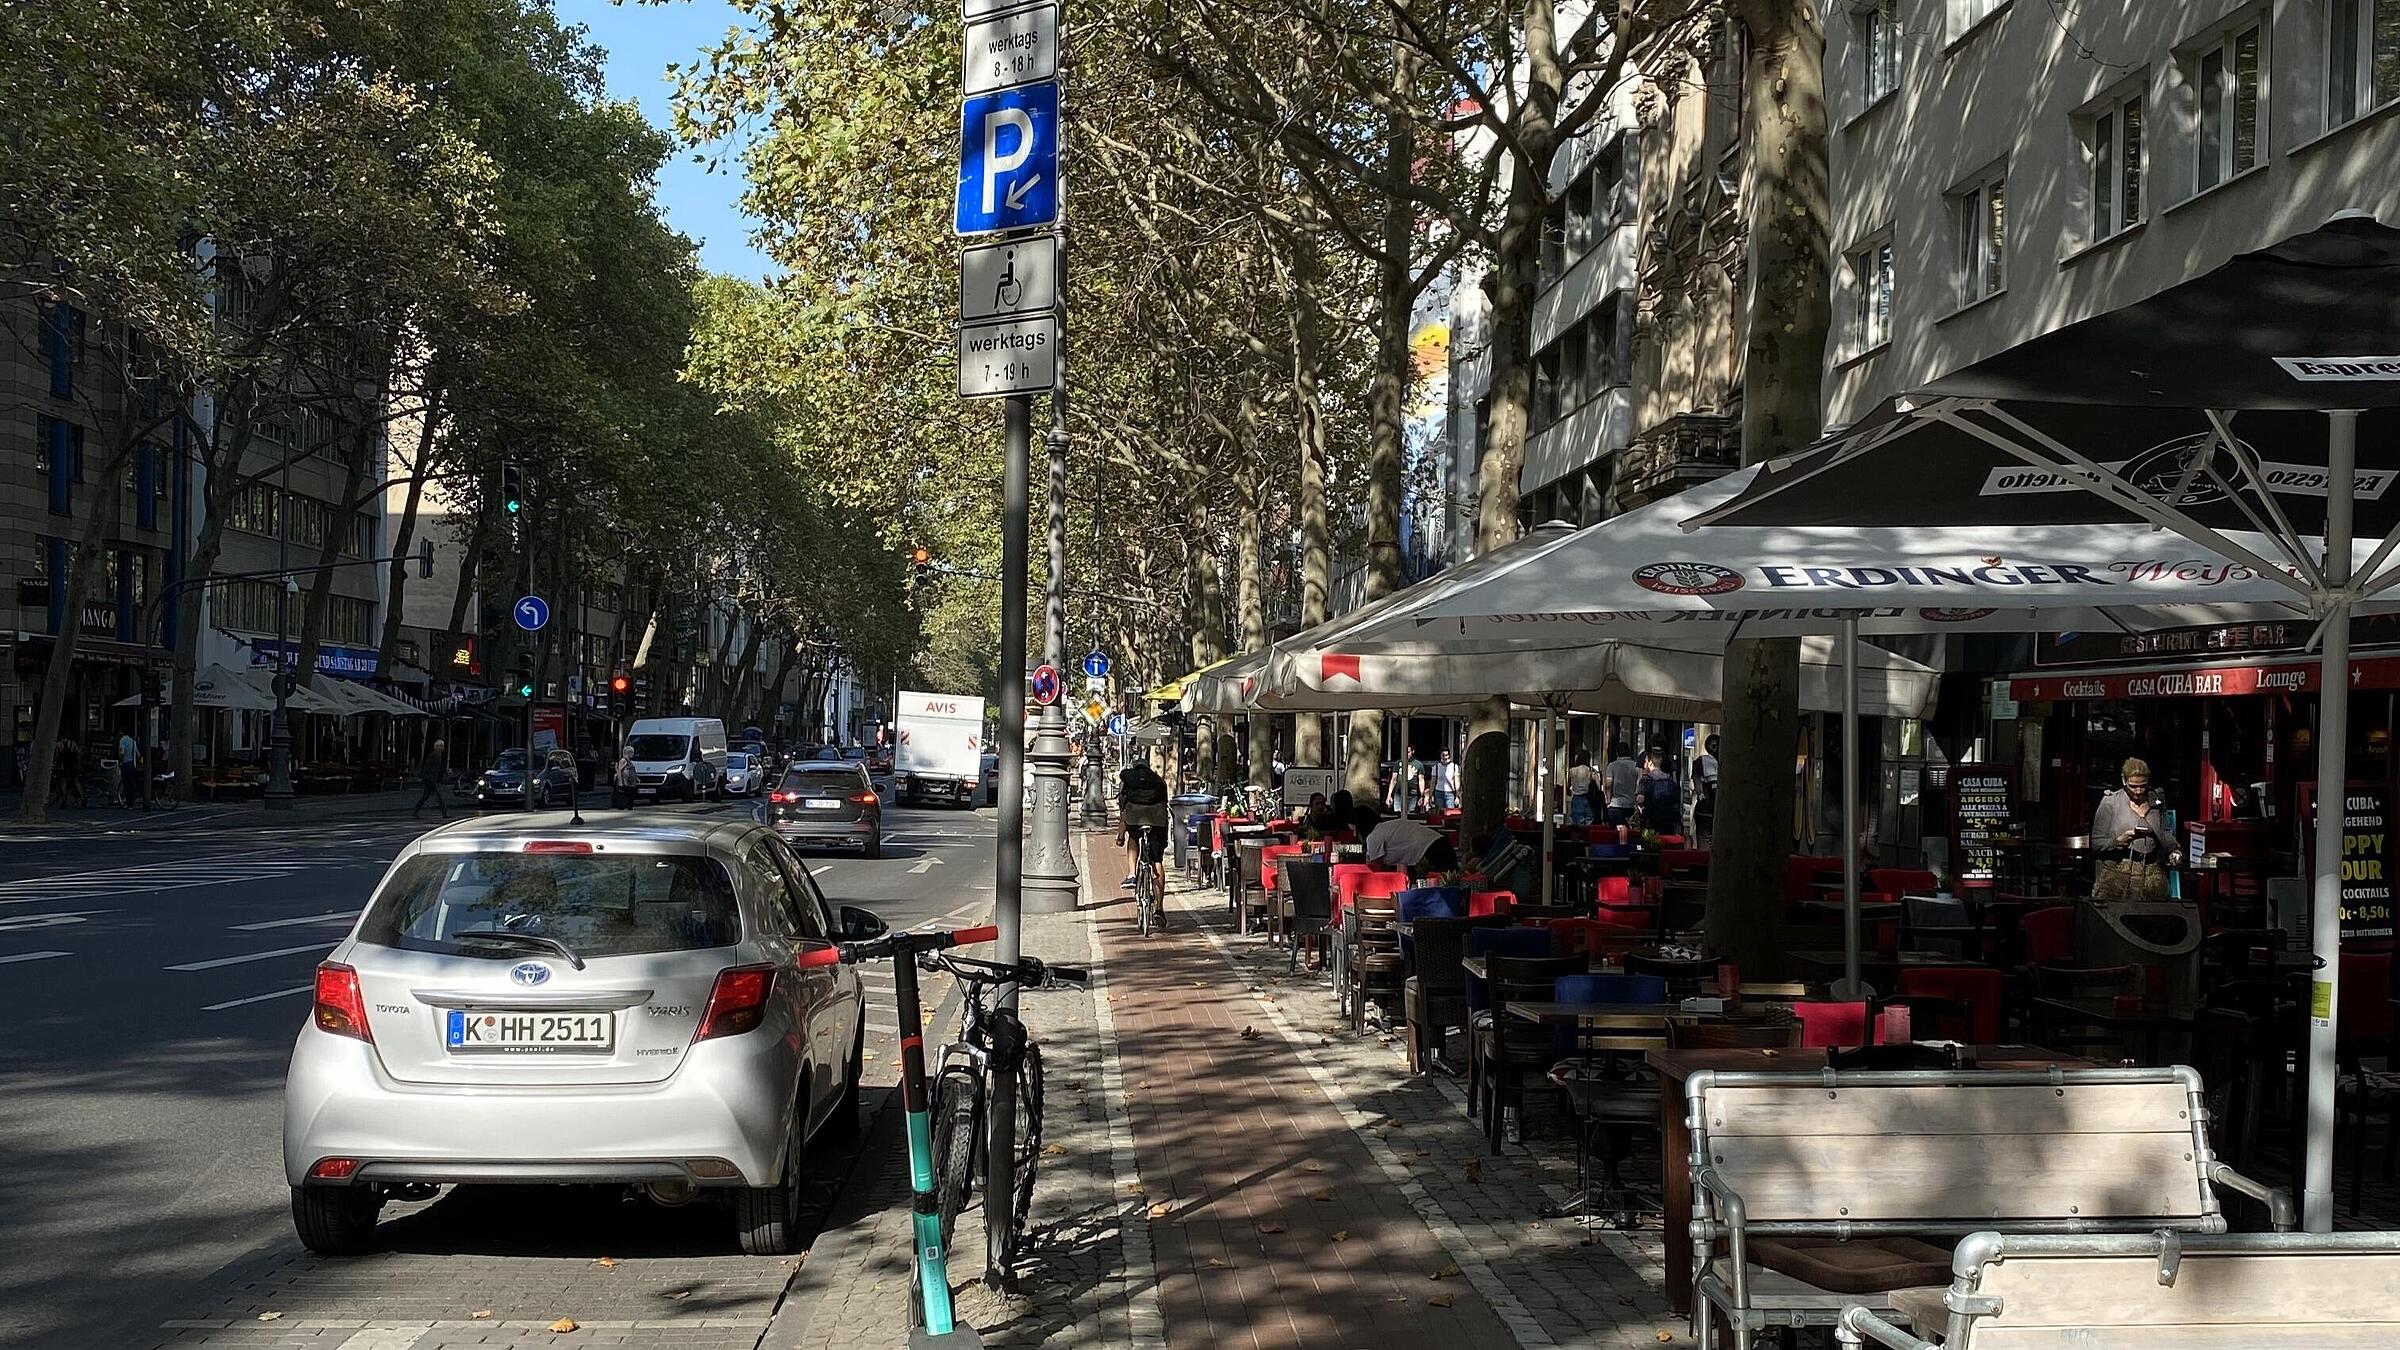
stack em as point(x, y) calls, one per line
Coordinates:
point(767, 1218)
point(536, 797)
point(875, 846)
point(335, 1220)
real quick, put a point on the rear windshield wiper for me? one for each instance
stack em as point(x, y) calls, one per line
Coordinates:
point(509, 936)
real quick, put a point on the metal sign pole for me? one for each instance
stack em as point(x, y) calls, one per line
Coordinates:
point(1008, 895)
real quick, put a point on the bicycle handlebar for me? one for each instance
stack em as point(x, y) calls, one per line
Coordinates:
point(896, 944)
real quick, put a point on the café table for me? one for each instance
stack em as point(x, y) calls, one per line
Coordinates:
point(1836, 962)
point(1675, 1068)
point(2153, 1025)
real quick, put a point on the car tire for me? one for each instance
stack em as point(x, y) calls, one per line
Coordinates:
point(537, 797)
point(874, 847)
point(766, 1219)
point(335, 1220)
point(845, 1122)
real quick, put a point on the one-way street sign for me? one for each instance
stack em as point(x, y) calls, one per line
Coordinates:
point(1018, 47)
point(1008, 159)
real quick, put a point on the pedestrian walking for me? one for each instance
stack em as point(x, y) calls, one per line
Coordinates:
point(1704, 793)
point(1445, 782)
point(67, 777)
point(623, 781)
point(1619, 782)
point(429, 780)
point(129, 772)
point(1661, 798)
point(1579, 788)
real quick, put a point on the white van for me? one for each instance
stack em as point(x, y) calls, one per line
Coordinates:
point(678, 758)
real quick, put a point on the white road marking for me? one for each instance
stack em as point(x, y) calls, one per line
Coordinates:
point(145, 877)
point(345, 915)
point(30, 956)
point(319, 948)
point(257, 998)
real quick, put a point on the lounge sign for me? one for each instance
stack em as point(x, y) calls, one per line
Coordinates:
point(2203, 682)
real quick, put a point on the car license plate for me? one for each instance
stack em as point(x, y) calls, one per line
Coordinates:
point(823, 803)
point(470, 1031)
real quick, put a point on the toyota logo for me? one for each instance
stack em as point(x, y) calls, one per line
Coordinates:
point(529, 973)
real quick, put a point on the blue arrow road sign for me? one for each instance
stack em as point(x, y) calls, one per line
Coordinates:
point(1096, 665)
point(1116, 724)
point(1008, 159)
point(532, 612)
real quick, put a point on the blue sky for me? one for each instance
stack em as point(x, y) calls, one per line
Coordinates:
point(641, 40)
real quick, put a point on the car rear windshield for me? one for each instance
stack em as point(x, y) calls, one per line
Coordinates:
point(829, 774)
point(654, 746)
point(613, 905)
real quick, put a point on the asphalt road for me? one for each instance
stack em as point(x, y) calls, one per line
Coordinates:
point(150, 988)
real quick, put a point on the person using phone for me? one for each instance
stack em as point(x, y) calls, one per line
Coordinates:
point(2132, 839)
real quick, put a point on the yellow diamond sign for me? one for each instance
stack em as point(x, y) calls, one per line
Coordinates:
point(1095, 710)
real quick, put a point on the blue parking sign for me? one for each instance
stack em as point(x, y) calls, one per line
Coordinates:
point(1008, 159)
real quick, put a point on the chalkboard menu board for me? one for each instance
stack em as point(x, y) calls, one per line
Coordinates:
point(1983, 815)
point(2367, 857)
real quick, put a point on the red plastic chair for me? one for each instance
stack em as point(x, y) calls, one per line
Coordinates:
point(1673, 861)
point(1828, 1024)
point(1344, 877)
point(1480, 903)
point(1574, 937)
point(1976, 988)
point(1267, 875)
point(2049, 935)
point(1889, 884)
point(1619, 893)
point(1800, 876)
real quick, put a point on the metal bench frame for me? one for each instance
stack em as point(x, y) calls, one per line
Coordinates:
point(1718, 1211)
point(1969, 1306)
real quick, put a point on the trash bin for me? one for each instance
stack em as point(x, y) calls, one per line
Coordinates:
point(2164, 934)
point(1188, 808)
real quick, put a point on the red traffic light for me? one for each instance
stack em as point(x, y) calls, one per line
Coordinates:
point(618, 684)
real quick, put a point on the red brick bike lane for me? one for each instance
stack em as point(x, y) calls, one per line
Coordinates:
point(1271, 1223)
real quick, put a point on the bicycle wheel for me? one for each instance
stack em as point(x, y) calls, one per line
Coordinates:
point(955, 1114)
point(1029, 1137)
point(1143, 899)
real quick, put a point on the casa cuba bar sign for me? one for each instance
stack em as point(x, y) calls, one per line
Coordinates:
point(2381, 673)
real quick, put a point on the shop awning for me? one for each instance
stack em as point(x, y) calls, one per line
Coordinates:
point(2224, 680)
point(1172, 690)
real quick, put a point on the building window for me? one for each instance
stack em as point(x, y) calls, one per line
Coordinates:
point(2227, 76)
point(62, 333)
point(253, 509)
point(1571, 390)
point(1876, 25)
point(1545, 390)
point(1979, 221)
point(1965, 14)
point(362, 535)
point(1582, 229)
point(1871, 274)
point(2362, 58)
point(58, 457)
point(1554, 240)
point(2113, 140)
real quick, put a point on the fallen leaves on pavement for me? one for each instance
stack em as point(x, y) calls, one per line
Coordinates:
point(1218, 1263)
point(1441, 1300)
point(606, 1263)
point(1341, 1235)
point(1249, 1033)
point(1270, 1228)
point(1448, 1272)
point(564, 1324)
point(1161, 1210)
point(1320, 1196)
point(1053, 1150)
point(270, 1316)
point(480, 1314)
point(1312, 1165)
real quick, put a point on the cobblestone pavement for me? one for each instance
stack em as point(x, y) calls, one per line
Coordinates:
point(1328, 1133)
point(1084, 1276)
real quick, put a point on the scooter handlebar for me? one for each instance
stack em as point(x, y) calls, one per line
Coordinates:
point(854, 952)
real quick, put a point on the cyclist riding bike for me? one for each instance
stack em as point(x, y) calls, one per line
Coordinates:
point(1142, 817)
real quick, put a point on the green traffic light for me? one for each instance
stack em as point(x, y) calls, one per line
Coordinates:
point(515, 506)
point(525, 691)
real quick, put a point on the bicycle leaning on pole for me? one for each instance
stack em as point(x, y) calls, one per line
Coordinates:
point(945, 1115)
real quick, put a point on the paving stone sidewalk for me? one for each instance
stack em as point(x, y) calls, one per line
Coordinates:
point(1331, 1182)
point(1084, 1279)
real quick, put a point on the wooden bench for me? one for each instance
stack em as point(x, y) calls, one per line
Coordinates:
point(2325, 1291)
point(1824, 1187)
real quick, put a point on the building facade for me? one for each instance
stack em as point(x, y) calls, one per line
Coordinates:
point(2002, 169)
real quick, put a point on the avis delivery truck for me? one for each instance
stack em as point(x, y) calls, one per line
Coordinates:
point(940, 754)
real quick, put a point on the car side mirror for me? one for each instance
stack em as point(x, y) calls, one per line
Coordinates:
point(862, 925)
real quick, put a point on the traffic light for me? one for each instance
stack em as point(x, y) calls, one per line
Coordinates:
point(512, 487)
point(522, 677)
point(618, 685)
point(921, 560)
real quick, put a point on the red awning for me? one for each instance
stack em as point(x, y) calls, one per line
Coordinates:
point(2201, 681)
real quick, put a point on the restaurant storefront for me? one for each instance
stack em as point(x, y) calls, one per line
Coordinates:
point(2224, 716)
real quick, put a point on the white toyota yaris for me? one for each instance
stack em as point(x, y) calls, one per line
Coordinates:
point(527, 1000)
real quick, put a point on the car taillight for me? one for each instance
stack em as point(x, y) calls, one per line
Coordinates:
point(333, 1169)
point(557, 846)
point(737, 1003)
point(863, 798)
point(341, 1009)
point(782, 797)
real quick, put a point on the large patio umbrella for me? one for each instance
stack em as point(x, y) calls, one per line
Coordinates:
point(1223, 687)
point(2231, 404)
